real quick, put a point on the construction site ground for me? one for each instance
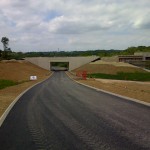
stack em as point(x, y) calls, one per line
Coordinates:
point(108, 67)
point(132, 89)
point(22, 70)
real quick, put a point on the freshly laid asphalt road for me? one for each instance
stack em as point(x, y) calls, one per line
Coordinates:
point(60, 114)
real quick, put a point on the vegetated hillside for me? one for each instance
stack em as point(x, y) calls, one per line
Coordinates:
point(101, 53)
point(132, 50)
point(107, 69)
point(98, 52)
point(19, 70)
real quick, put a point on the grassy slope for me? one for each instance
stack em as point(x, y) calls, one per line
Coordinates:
point(19, 71)
point(6, 83)
point(137, 76)
point(114, 71)
point(16, 72)
point(107, 69)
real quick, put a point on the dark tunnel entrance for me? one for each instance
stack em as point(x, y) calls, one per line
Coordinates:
point(59, 66)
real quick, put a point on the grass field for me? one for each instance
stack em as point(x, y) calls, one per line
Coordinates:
point(137, 76)
point(6, 83)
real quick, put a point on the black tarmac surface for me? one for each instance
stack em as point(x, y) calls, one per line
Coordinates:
point(60, 114)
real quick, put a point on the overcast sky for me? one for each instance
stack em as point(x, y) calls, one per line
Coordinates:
point(46, 25)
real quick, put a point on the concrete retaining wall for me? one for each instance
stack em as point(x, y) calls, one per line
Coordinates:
point(74, 62)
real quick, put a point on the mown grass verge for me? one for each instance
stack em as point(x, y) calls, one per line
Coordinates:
point(6, 83)
point(137, 76)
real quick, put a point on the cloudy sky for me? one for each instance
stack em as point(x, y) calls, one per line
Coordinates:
point(46, 25)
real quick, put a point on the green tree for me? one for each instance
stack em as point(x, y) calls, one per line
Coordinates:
point(5, 42)
point(1, 54)
point(7, 51)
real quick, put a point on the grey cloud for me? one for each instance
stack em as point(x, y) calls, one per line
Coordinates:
point(19, 3)
point(142, 23)
point(101, 20)
point(146, 25)
point(79, 28)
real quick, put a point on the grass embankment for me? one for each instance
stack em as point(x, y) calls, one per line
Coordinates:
point(15, 75)
point(6, 83)
point(137, 76)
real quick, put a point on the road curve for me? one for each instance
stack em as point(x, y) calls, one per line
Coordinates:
point(60, 114)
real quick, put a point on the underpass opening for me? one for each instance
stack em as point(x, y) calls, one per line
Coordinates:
point(59, 66)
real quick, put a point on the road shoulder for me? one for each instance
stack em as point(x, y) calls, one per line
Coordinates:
point(138, 92)
point(12, 94)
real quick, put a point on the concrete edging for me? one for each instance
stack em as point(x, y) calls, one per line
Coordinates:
point(3, 117)
point(114, 94)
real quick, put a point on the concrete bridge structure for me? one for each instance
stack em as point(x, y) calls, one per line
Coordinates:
point(74, 62)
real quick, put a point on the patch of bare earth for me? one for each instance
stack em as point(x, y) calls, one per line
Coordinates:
point(107, 69)
point(18, 71)
point(136, 90)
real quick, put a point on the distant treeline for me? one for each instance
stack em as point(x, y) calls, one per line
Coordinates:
point(101, 53)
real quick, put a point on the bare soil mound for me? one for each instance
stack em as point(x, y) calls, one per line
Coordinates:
point(107, 69)
point(137, 90)
point(18, 71)
point(113, 63)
